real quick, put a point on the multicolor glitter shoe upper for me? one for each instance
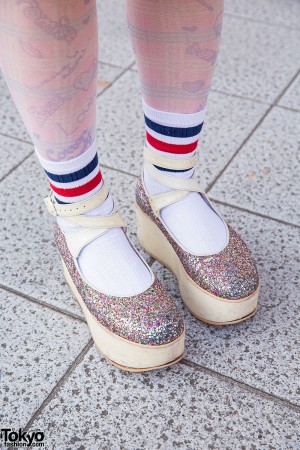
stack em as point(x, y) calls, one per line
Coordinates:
point(230, 274)
point(149, 318)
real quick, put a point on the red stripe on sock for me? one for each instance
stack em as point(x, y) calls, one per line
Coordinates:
point(79, 190)
point(171, 148)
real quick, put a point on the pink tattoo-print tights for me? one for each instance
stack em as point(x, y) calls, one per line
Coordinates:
point(49, 58)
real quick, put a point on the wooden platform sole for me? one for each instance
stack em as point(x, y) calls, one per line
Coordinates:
point(125, 354)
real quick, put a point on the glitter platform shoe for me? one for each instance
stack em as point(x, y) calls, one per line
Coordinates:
point(218, 289)
point(137, 333)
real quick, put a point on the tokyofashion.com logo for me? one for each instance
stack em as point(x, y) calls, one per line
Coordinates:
point(12, 438)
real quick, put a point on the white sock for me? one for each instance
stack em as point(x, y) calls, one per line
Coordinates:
point(109, 263)
point(191, 220)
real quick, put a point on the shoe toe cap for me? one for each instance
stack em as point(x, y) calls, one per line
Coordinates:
point(230, 274)
point(153, 318)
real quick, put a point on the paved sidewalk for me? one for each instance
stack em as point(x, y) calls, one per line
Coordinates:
point(238, 386)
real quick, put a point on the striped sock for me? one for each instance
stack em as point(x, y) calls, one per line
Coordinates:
point(77, 179)
point(172, 135)
point(193, 223)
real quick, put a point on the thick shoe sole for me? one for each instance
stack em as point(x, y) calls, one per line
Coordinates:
point(203, 305)
point(127, 355)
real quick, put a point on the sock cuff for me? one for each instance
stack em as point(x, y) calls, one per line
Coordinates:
point(174, 119)
point(73, 165)
point(77, 179)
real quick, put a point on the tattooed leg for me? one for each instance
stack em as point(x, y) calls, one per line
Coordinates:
point(176, 43)
point(48, 54)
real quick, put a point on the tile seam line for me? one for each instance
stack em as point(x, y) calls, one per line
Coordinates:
point(263, 22)
point(241, 97)
point(117, 170)
point(243, 386)
point(42, 303)
point(287, 108)
point(79, 358)
point(16, 166)
point(279, 97)
point(258, 124)
point(105, 63)
point(255, 213)
point(247, 138)
point(126, 69)
point(14, 137)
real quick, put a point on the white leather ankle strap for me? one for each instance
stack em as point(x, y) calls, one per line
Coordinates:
point(180, 188)
point(169, 163)
point(182, 184)
point(159, 201)
point(75, 209)
point(115, 220)
point(89, 227)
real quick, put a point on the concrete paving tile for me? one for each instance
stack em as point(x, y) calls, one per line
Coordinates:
point(106, 76)
point(29, 260)
point(12, 153)
point(178, 408)
point(276, 12)
point(291, 98)
point(37, 347)
point(114, 44)
point(10, 121)
point(256, 60)
point(120, 125)
point(263, 351)
point(121, 128)
point(264, 176)
point(2, 84)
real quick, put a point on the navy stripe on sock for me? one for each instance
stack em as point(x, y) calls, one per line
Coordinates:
point(163, 169)
point(172, 131)
point(60, 202)
point(74, 176)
